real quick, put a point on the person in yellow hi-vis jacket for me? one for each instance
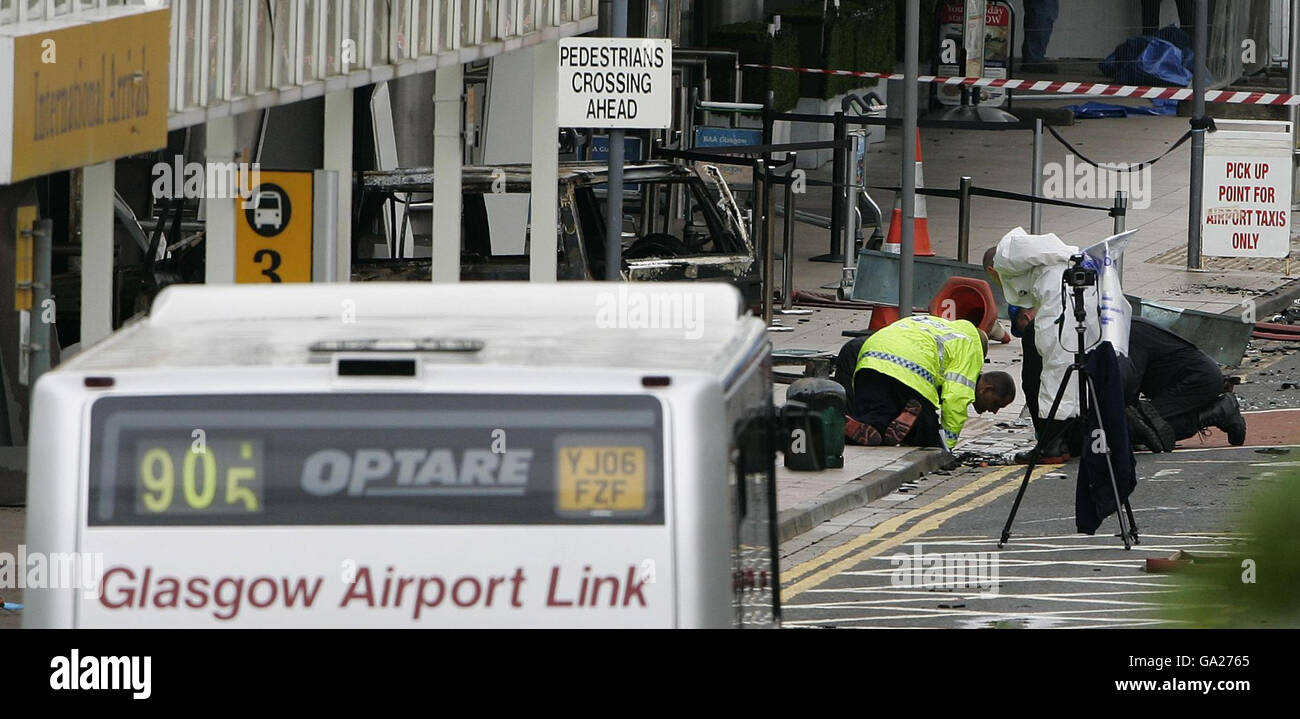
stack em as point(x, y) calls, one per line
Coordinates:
point(915, 367)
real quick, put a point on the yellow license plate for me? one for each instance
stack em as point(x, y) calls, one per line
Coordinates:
point(593, 479)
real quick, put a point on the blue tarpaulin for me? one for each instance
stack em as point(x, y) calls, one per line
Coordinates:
point(1161, 59)
point(1093, 110)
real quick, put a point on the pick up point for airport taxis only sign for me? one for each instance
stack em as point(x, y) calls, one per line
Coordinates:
point(608, 82)
point(1246, 198)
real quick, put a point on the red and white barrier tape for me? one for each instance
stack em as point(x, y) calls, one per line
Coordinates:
point(1084, 88)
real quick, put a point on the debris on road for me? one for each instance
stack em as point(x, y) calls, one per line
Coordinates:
point(1181, 561)
point(985, 459)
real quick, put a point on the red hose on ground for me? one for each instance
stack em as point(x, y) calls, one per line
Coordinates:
point(1276, 331)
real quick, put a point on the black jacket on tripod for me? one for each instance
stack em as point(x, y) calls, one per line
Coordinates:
point(1094, 499)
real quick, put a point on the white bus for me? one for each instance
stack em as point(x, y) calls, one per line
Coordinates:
point(413, 455)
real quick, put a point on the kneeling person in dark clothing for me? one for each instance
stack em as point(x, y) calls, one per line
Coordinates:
point(907, 371)
point(1175, 390)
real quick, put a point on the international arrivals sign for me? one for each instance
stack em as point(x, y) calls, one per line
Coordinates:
point(73, 95)
point(610, 82)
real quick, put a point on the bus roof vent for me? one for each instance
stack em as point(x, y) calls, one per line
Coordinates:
point(427, 344)
point(377, 367)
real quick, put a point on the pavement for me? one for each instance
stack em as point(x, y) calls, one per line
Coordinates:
point(811, 505)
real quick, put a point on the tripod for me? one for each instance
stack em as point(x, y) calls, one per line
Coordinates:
point(1079, 279)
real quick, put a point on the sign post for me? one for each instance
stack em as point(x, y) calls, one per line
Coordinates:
point(1246, 198)
point(273, 229)
point(615, 83)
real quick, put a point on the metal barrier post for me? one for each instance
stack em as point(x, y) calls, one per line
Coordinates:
point(787, 243)
point(694, 100)
point(852, 183)
point(906, 248)
point(839, 170)
point(736, 93)
point(963, 219)
point(1201, 41)
point(769, 123)
point(677, 197)
point(1036, 183)
point(759, 235)
point(614, 184)
point(1119, 212)
point(39, 344)
point(769, 246)
point(1293, 86)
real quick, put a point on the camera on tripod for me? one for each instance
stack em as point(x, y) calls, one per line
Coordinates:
point(1076, 275)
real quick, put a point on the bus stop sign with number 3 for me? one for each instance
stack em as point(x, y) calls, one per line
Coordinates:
point(273, 235)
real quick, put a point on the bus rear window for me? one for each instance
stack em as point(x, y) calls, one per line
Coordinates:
point(376, 460)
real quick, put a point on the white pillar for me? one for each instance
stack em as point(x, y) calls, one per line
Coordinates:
point(96, 253)
point(338, 157)
point(219, 215)
point(448, 150)
point(543, 235)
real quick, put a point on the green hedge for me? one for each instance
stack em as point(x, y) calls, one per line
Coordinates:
point(756, 45)
point(862, 36)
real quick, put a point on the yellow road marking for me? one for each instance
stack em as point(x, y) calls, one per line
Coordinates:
point(890, 525)
point(927, 524)
point(1265, 365)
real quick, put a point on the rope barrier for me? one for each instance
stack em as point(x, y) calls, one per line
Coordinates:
point(1186, 136)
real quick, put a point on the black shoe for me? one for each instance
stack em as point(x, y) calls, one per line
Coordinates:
point(1056, 452)
point(1140, 432)
point(1226, 415)
point(1166, 431)
point(1033, 456)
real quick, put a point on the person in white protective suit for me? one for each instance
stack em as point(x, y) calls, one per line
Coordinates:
point(1029, 269)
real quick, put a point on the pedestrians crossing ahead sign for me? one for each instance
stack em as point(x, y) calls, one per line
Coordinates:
point(610, 82)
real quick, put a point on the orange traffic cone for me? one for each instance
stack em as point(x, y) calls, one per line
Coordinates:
point(921, 236)
point(882, 316)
